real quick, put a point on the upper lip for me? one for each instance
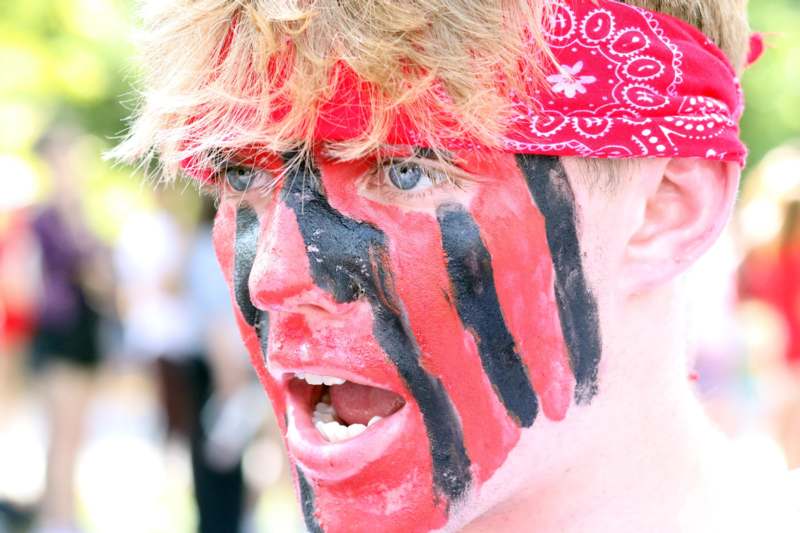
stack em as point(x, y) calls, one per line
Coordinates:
point(282, 374)
point(327, 346)
point(349, 351)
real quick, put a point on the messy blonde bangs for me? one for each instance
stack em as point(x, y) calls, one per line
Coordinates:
point(216, 71)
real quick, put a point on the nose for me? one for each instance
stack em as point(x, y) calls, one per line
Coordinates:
point(281, 276)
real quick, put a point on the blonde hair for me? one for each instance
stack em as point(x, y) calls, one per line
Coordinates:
point(217, 71)
point(722, 21)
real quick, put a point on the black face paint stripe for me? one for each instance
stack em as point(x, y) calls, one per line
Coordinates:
point(551, 190)
point(307, 504)
point(247, 229)
point(349, 259)
point(451, 465)
point(469, 266)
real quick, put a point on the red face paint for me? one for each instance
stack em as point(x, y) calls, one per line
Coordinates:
point(470, 307)
point(399, 277)
point(515, 236)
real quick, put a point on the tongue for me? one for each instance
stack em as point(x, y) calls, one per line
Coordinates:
point(358, 404)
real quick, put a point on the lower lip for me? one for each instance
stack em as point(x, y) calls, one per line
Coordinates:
point(336, 460)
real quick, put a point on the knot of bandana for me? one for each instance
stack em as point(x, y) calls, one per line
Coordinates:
point(628, 83)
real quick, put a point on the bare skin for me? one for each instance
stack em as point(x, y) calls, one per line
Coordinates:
point(641, 445)
point(67, 391)
point(644, 447)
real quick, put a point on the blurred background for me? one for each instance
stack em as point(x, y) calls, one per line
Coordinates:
point(109, 290)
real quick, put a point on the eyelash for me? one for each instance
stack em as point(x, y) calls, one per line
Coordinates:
point(256, 186)
point(378, 179)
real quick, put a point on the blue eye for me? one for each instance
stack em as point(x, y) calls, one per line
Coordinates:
point(408, 176)
point(405, 176)
point(240, 178)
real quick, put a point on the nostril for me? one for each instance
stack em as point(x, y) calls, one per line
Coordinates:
point(311, 300)
point(327, 310)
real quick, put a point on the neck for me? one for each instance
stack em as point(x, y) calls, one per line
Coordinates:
point(641, 456)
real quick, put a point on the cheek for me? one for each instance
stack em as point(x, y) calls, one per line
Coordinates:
point(449, 349)
point(224, 237)
point(514, 233)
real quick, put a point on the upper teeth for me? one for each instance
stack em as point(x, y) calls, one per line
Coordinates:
point(314, 379)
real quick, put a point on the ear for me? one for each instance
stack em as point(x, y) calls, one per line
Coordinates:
point(686, 206)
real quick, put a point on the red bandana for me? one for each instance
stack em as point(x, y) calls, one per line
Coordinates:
point(631, 83)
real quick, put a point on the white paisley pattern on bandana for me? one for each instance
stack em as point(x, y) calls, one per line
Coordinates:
point(630, 83)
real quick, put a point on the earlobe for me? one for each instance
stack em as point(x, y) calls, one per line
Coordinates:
point(685, 209)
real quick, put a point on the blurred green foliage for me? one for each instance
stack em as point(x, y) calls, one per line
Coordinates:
point(68, 62)
point(62, 60)
point(772, 85)
point(71, 60)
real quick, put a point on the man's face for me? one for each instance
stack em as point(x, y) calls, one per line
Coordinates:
point(410, 328)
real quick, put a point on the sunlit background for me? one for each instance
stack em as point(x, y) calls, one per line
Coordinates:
point(66, 85)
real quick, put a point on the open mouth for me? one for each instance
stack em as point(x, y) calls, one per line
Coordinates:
point(341, 410)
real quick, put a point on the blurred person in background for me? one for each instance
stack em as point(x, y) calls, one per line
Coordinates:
point(228, 402)
point(177, 316)
point(771, 273)
point(65, 353)
point(19, 293)
point(770, 292)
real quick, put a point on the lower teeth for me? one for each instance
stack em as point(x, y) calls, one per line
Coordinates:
point(324, 419)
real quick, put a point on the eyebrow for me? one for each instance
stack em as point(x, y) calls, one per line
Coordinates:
point(429, 153)
point(444, 161)
point(410, 151)
point(243, 154)
point(223, 158)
